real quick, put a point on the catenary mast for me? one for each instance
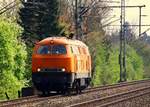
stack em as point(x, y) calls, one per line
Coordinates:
point(122, 55)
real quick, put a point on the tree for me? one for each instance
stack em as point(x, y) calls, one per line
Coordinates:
point(129, 32)
point(39, 18)
point(143, 49)
point(107, 70)
point(12, 59)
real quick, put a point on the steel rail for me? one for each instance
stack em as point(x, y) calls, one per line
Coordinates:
point(103, 102)
point(27, 101)
point(33, 99)
point(122, 84)
point(103, 92)
point(124, 99)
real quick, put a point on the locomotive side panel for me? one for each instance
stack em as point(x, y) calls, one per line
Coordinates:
point(82, 73)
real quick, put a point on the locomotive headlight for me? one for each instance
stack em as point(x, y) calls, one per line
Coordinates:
point(63, 69)
point(38, 69)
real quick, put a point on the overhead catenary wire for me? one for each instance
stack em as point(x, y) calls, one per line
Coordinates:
point(8, 7)
point(133, 25)
point(145, 31)
point(110, 23)
point(80, 11)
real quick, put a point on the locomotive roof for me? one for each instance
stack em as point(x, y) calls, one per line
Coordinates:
point(60, 40)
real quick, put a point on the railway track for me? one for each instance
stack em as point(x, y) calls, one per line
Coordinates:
point(113, 99)
point(123, 84)
point(99, 92)
point(26, 101)
point(35, 100)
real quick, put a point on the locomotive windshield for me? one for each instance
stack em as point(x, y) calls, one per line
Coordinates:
point(43, 50)
point(52, 49)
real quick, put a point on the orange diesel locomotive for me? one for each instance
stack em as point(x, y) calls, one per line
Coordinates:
point(60, 64)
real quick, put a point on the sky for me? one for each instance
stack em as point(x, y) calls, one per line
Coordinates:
point(132, 14)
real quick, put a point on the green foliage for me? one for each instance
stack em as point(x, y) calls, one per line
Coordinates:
point(93, 40)
point(135, 65)
point(12, 59)
point(107, 72)
point(29, 63)
point(143, 49)
point(106, 66)
point(40, 19)
point(102, 74)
